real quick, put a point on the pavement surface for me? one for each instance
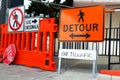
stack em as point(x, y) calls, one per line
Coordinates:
point(19, 72)
point(81, 71)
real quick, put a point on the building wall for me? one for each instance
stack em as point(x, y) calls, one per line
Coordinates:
point(109, 4)
point(115, 19)
point(96, 2)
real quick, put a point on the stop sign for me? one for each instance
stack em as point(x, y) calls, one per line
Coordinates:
point(9, 54)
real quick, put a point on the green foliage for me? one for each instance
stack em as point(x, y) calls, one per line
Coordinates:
point(56, 1)
point(37, 8)
point(40, 8)
point(68, 3)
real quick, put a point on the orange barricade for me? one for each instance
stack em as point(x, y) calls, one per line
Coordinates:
point(34, 49)
point(110, 72)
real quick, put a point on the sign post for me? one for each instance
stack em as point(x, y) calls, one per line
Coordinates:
point(78, 54)
point(94, 70)
point(59, 63)
point(81, 24)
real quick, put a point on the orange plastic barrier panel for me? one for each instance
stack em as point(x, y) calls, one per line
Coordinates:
point(110, 72)
point(34, 49)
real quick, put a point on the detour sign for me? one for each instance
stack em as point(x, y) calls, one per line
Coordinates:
point(82, 24)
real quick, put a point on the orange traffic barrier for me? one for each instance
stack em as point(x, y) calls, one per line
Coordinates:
point(110, 72)
point(109, 11)
point(34, 49)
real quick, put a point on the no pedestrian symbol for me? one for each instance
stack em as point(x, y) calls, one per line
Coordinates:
point(16, 18)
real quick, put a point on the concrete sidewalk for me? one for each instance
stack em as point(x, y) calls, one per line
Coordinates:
point(19, 72)
point(81, 71)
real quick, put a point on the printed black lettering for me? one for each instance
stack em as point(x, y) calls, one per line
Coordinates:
point(28, 22)
point(71, 28)
point(65, 28)
point(64, 54)
point(88, 28)
point(95, 27)
point(81, 27)
point(76, 27)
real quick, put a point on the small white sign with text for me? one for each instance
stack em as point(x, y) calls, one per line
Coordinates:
point(77, 54)
point(32, 24)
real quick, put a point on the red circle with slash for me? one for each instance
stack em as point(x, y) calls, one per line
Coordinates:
point(19, 23)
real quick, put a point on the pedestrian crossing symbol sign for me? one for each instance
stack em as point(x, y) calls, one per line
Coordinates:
point(16, 19)
point(82, 24)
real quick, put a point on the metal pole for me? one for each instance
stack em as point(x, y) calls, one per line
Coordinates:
point(59, 63)
point(119, 41)
point(109, 50)
point(59, 66)
point(94, 70)
point(6, 18)
point(65, 64)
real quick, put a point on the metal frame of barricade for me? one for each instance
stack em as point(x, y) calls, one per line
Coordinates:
point(94, 65)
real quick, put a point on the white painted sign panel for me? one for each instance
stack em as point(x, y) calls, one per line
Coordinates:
point(16, 19)
point(32, 24)
point(77, 54)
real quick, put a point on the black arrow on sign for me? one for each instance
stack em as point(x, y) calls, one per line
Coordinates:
point(34, 21)
point(80, 35)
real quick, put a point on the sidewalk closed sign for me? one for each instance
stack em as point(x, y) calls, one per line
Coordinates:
point(32, 24)
point(82, 24)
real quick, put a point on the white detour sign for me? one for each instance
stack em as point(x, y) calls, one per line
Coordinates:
point(77, 54)
point(32, 24)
